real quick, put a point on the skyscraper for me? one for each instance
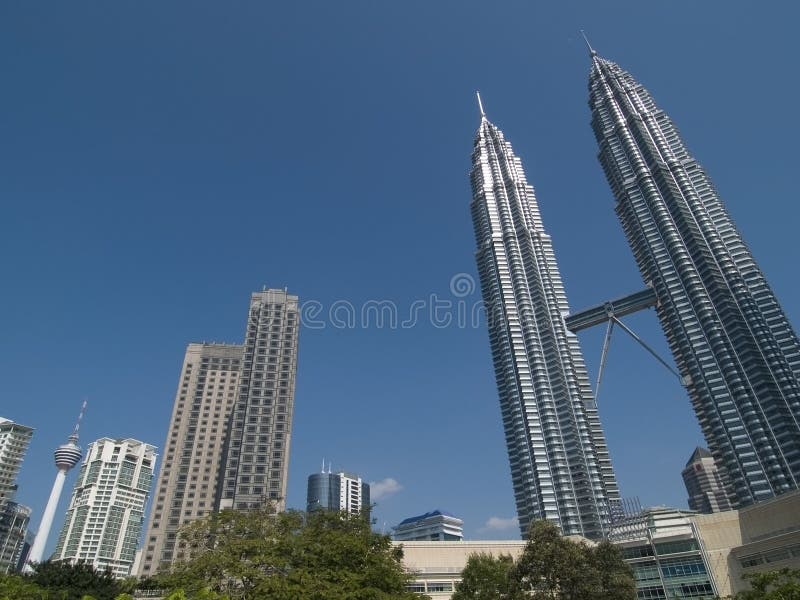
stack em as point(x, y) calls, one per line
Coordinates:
point(703, 483)
point(106, 511)
point(14, 518)
point(187, 486)
point(228, 439)
point(337, 491)
point(736, 351)
point(560, 467)
point(257, 447)
point(14, 440)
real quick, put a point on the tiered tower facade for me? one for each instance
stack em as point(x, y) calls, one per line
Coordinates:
point(737, 353)
point(560, 466)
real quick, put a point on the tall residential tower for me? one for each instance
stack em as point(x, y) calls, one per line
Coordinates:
point(192, 461)
point(14, 440)
point(257, 452)
point(105, 514)
point(560, 466)
point(228, 439)
point(737, 353)
point(14, 518)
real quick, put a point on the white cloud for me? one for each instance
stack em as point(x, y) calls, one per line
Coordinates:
point(500, 524)
point(383, 488)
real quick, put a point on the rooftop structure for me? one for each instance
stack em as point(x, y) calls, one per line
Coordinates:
point(433, 525)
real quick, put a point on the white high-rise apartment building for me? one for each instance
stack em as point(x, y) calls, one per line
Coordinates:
point(187, 482)
point(14, 518)
point(106, 512)
point(14, 440)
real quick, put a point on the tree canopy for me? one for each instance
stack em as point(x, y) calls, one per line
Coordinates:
point(552, 567)
point(781, 584)
point(52, 580)
point(259, 554)
point(486, 577)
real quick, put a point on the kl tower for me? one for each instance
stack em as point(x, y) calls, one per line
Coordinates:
point(66, 456)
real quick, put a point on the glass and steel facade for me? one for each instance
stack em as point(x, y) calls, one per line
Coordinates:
point(560, 466)
point(665, 553)
point(737, 353)
point(337, 491)
point(14, 519)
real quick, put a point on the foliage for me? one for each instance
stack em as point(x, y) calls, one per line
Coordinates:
point(550, 566)
point(783, 584)
point(14, 587)
point(67, 581)
point(259, 554)
point(615, 576)
point(486, 577)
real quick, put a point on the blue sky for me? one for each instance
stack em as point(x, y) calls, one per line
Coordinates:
point(160, 161)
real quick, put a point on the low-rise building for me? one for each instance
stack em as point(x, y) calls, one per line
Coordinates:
point(435, 525)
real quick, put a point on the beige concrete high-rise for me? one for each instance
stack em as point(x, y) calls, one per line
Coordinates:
point(187, 482)
point(257, 449)
point(228, 439)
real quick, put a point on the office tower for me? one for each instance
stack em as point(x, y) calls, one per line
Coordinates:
point(560, 467)
point(703, 483)
point(66, 456)
point(105, 514)
point(736, 352)
point(436, 525)
point(257, 448)
point(14, 440)
point(190, 469)
point(337, 491)
point(14, 519)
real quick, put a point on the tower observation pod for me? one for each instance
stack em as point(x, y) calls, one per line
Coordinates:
point(66, 457)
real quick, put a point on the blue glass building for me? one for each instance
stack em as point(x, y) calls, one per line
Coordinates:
point(337, 491)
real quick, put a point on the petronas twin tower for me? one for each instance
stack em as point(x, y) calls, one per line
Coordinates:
point(736, 351)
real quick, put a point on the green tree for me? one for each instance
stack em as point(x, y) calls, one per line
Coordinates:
point(14, 587)
point(782, 584)
point(552, 566)
point(486, 577)
point(67, 581)
point(615, 576)
point(260, 554)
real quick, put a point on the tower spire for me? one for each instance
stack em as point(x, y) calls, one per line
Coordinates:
point(74, 435)
point(592, 51)
point(480, 104)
